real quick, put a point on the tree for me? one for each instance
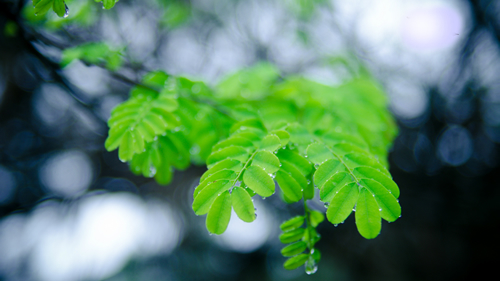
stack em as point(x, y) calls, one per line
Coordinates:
point(255, 130)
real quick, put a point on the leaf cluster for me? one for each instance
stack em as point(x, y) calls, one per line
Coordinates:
point(256, 131)
point(94, 53)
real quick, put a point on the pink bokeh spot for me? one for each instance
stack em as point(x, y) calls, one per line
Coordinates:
point(432, 28)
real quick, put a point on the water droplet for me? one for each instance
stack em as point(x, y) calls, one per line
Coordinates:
point(380, 209)
point(263, 198)
point(327, 205)
point(354, 209)
point(194, 150)
point(311, 266)
point(237, 183)
point(66, 11)
point(336, 225)
point(152, 171)
point(255, 215)
point(316, 165)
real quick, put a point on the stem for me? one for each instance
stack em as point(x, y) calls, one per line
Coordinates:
point(245, 166)
point(309, 242)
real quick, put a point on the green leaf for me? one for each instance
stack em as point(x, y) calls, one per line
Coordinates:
point(368, 219)
point(267, 161)
point(283, 135)
point(292, 236)
point(318, 153)
point(108, 4)
point(296, 160)
point(299, 137)
point(242, 204)
point(290, 187)
point(316, 218)
point(60, 7)
point(295, 262)
point(248, 124)
point(270, 143)
point(354, 160)
point(342, 203)
point(294, 249)
point(389, 206)
point(326, 171)
point(229, 164)
point(232, 152)
point(220, 175)
point(164, 174)
point(292, 223)
point(219, 214)
point(259, 181)
point(316, 254)
point(42, 7)
point(370, 173)
point(333, 185)
point(131, 143)
point(206, 197)
point(233, 141)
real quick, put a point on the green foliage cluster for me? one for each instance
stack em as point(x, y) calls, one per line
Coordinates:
point(257, 131)
point(94, 53)
point(59, 7)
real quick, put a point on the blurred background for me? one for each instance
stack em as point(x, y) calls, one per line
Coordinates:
point(69, 210)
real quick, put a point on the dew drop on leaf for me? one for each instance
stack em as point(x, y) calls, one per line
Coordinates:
point(311, 266)
point(66, 11)
point(327, 205)
point(152, 170)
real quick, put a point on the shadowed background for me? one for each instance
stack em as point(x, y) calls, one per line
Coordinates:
point(69, 210)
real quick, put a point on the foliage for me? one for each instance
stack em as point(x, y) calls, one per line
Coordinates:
point(257, 130)
point(94, 53)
